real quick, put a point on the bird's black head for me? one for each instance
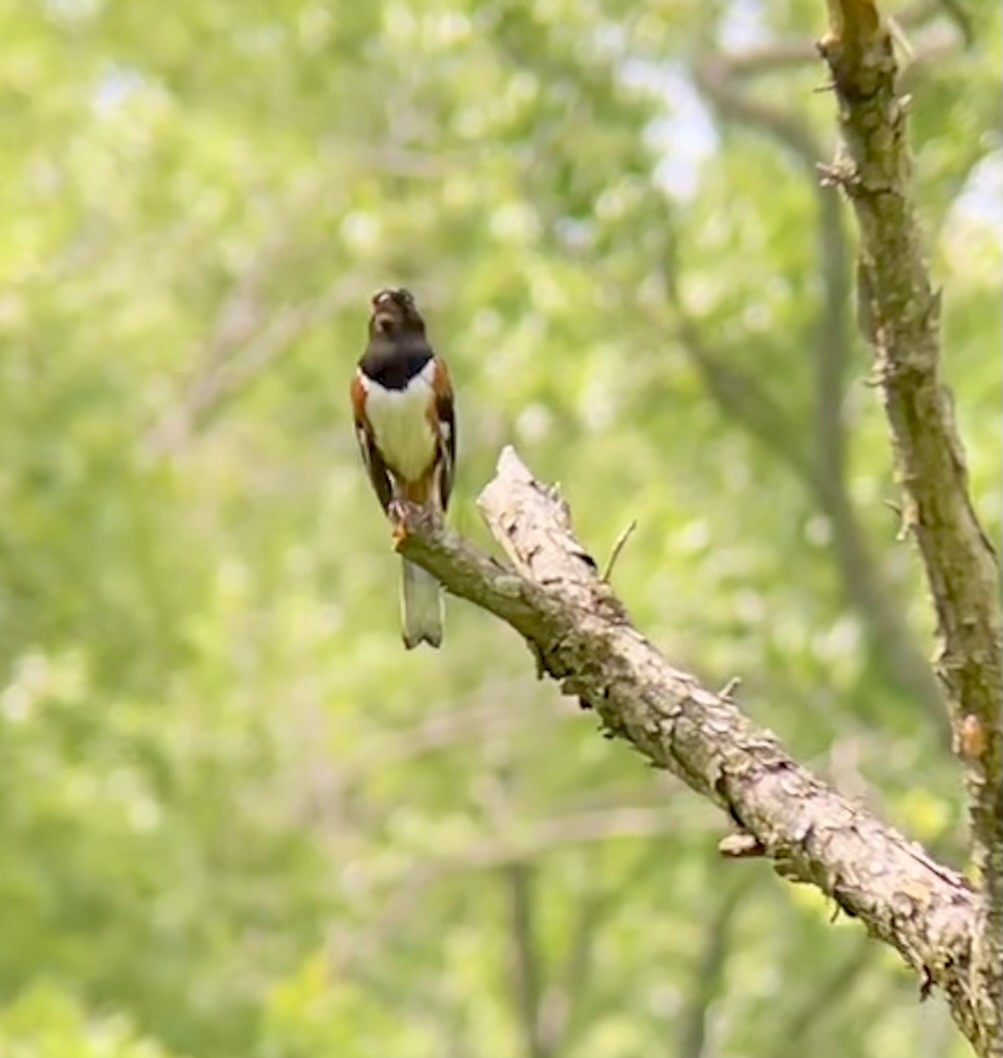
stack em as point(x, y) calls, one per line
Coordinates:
point(394, 312)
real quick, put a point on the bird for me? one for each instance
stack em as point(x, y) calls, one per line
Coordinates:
point(405, 424)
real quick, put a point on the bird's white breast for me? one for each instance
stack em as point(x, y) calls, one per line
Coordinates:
point(399, 420)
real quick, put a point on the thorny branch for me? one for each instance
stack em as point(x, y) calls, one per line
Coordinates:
point(900, 313)
point(824, 471)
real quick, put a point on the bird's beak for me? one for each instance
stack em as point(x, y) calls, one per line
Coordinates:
point(384, 321)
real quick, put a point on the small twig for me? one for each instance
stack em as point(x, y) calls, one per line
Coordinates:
point(959, 14)
point(621, 543)
point(728, 690)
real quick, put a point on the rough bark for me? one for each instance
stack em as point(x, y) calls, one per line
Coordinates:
point(900, 315)
point(580, 634)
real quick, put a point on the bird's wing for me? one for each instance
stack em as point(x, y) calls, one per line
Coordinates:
point(376, 468)
point(445, 417)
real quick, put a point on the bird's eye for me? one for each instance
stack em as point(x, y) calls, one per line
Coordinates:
point(385, 324)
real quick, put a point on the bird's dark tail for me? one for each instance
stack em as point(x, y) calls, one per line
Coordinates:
point(421, 606)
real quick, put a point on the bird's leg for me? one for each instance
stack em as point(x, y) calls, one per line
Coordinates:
point(397, 513)
point(398, 532)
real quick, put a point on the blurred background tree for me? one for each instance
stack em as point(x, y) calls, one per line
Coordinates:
point(236, 819)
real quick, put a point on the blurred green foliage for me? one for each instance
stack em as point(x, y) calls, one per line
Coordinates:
point(236, 819)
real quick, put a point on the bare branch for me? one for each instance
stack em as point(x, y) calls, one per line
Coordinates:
point(567, 1004)
point(614, 823)
point(770, 58)
point(742, 396)
point(900, 310)
point(712, 76)
point(556, 600)
point(823, 1002)
point(866, 587)
point(490, 715)
point(823, 473)
point(708, 971)
point(526, 964)
point(239, 351)
point(929, 40)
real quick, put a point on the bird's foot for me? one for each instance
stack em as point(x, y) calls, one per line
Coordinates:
point(397, 512)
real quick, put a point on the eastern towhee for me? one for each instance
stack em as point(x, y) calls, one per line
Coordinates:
point(403, 406)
